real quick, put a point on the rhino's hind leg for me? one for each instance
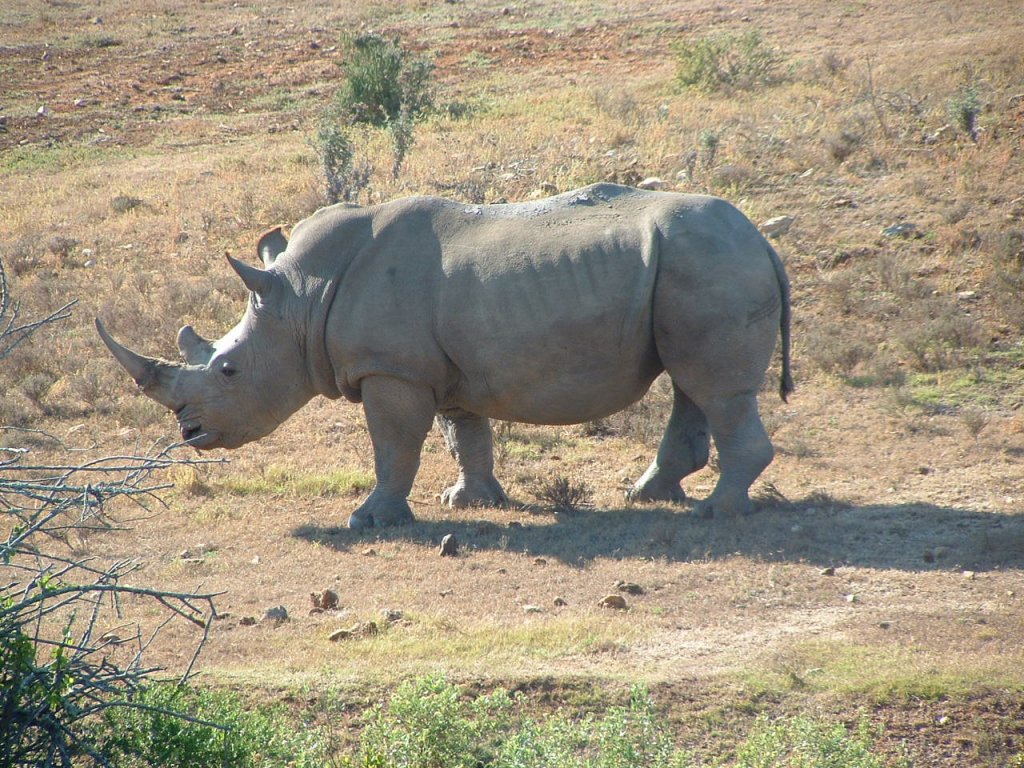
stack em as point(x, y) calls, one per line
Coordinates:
point(469, 440)
point(398, 416)
point(744, 450)
point(684, 449)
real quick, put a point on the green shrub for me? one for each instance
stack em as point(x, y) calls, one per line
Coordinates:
point(727, 60)
point(964, 108)
point(384, 84)
point(173, 726)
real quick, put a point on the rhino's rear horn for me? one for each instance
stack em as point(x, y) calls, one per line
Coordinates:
point(256, 280)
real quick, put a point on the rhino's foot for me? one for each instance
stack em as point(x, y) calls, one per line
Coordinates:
point(652, 487)
point(724, 504)
point(475, 492)
point(380, 511)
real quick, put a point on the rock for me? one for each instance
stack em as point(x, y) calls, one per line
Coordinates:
point(247, 621)
point(539, 561)
point(616, 602)
point(325, 600)
point(830, 571)
point(356, 631)
point(392, 615)
point(449, 546)
point(629, 587)
point(777, 226)
point(560, 602)
point(278, 614)
point(652, 183)
point(532, 609)
point(43, 111)
point(967, 295)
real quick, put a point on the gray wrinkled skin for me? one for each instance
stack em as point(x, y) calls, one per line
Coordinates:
point(558, 311)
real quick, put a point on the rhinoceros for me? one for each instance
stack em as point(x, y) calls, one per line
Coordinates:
point(555, 311)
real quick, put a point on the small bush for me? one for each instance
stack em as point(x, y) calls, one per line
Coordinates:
point(564, 495)
point(727, 60)
point(344, 177)
point(964, 108)
point(429, 723)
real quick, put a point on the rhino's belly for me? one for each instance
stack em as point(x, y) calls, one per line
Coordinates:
point(566, 391)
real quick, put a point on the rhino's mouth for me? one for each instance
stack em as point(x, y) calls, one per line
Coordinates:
point(194, 434)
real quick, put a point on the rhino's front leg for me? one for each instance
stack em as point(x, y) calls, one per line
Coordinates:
point(470, 442)
point(398, 416)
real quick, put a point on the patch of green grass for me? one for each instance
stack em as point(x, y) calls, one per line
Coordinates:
point(60, 158)
point(280, 481)
point(883, 673)
point(426, 640)
point(995, 380)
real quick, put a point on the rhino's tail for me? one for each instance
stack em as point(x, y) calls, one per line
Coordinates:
point(786, 386)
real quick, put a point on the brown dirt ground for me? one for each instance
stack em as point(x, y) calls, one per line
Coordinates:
point(921, 522)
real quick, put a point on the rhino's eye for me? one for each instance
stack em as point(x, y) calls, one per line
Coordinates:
point(228, 368)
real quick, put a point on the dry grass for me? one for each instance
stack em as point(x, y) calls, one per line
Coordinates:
point(173, 136)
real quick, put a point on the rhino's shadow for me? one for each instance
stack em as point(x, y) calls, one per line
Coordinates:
point(909, 537)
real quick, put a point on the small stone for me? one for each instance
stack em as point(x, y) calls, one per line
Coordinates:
point(449, 546)
point(325, 600)
point(532, 609)
point(560, 602)
point(885, 625)
point(851, 598)
point(370, 552)
point(43, 111)
point(629, 587)
point(830, 571)
point(616, 602)
point(904, 229)
point(970, 575)
point(392, 615)
point(278, 614)
point(247, 621)
point(967, 295)
point(339, 634)
point(539, 561)
point(777, 226)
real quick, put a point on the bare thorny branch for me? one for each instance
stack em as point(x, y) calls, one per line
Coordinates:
point(57, 666)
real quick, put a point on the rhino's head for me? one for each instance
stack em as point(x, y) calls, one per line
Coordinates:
point(237, 389)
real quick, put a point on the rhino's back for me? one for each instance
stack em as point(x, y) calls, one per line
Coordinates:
point(544, 308)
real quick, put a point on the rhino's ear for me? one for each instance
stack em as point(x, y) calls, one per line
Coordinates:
point(194, 348)
point(257, 280)
point(271, 245)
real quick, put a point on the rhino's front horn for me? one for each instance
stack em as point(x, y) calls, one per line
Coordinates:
point(256, 280)
point(148, 372)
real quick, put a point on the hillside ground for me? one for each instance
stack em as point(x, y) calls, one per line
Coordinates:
point(881, 578)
